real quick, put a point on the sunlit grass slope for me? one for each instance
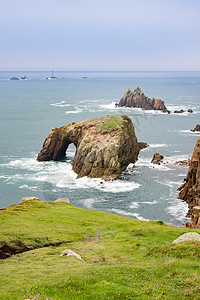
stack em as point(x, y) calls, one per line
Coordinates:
point(123, 258)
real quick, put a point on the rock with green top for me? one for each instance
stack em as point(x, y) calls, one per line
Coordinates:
point(105, 146)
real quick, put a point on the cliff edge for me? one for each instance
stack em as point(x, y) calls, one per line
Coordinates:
point(190, 189)
point(105, 146)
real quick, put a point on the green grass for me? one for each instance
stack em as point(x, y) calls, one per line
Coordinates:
point(131, 260)
point(111, 123)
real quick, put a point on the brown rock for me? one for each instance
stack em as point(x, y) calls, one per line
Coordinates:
point(142, 145)
point(190, 190)
point(66, 200)
point(139, 100)
point(28, 199)
point(104, 146)
point(190, 110)
point(157, 159)
point(183, 163)
point(197, 128)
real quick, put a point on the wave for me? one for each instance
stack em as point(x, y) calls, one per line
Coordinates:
point(129, 214)
point(178, 210)
point(32, 188)
point(108, 106)
point(76, 111)
point(157, 145)
point(146, 162)
point(60, 104)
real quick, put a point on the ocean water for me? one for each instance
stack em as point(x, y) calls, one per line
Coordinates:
point(30, 108)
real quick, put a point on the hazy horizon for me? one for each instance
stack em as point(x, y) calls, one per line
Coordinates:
point(100, 35)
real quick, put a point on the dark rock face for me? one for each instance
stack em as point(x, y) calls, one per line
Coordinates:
point(197, 128)
point(157, 159)
point(139, 100)
point(190, 110)
point(190, 189)
point(104, 146)
point(142, 145)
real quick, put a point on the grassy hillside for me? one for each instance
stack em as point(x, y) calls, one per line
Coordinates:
point(123, 258)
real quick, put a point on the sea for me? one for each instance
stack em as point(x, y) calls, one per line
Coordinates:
point(30, 108)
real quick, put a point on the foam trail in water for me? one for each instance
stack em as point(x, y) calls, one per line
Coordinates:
point(60, 104)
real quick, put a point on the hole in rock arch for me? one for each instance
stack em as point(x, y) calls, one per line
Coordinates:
point(70, 152)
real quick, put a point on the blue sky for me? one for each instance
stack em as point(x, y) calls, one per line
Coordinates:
point(100, 34)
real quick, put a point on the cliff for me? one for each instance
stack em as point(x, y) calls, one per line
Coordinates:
point(139, 100)
point(190, 190)
point(105, 146)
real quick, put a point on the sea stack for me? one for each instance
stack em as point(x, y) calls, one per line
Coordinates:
point(137, 99)
point(105, 146)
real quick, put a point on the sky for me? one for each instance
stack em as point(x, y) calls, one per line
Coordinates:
point(132, 35)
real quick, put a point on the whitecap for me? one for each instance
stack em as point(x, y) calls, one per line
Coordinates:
point(178, 210)
point(76, 111)
point(25, 186)
point(157, 145)
point(149, 203)
point(129, 214)
point(60, 104)
point(108, 106)
point(134, 205)
point(146, 162)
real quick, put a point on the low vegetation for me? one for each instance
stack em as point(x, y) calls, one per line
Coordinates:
point(123, 258)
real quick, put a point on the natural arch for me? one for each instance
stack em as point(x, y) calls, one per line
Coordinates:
point(104, 146)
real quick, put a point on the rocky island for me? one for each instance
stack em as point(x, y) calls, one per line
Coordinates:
point(105, 146)
point(137, 99)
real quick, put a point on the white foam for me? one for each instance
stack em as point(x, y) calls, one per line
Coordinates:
point(150, 203)
point(25, 186)
point(76, 111)
point(108, 106)
point(60, 104)
point(129, 214)
point(178, 210)
point(146, 162)
point(134, 205)
point(157, 145)
point(89, 202)
point(175, 158)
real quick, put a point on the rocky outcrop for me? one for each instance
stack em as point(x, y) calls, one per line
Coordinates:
point(104, 146)
point(142, 145)
point(190, 110)
point(181, 111)
point(157, 159)
point(182, 163)
point(197, 128)
point(190, 189)
point(139, 100)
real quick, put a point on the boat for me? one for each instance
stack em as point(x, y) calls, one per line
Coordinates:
point(52, 76)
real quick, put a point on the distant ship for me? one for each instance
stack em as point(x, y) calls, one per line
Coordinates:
point(52, 76)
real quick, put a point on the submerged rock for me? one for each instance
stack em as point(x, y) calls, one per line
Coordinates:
point(105, 146)
point(182, 163)
point(190, 110)
point(139, 100)
point(179, 111)
point(197, 128)
point(157, 159)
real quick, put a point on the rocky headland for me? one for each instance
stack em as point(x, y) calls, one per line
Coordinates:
point(190, 189)
point(137, 99)
point(105, 146)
